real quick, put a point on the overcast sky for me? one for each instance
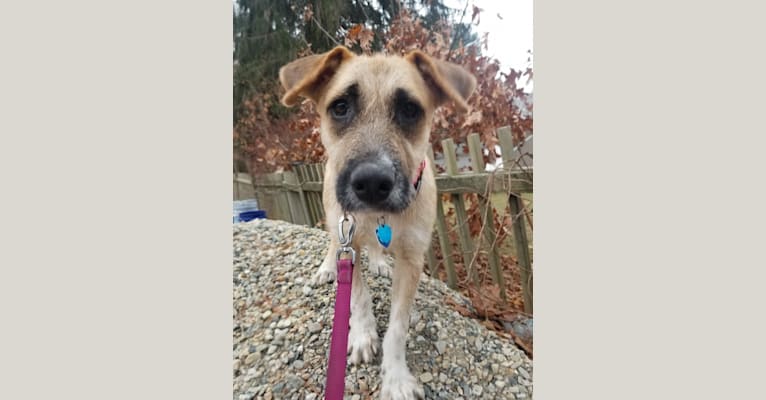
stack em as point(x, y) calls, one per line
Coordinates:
point(510, 38)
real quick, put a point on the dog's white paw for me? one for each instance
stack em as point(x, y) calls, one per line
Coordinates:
point(378, 264)
point(380, 267)
point(325, 274)
point(399, 384)
point(363, 345)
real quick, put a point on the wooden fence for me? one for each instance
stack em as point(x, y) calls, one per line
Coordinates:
point(296, 196)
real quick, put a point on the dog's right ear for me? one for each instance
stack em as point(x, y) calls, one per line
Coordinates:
point(307, 76)
point(446, 80)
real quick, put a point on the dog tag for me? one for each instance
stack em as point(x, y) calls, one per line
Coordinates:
point(383, 232)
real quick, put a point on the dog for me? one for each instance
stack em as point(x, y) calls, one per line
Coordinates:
point(376, 114)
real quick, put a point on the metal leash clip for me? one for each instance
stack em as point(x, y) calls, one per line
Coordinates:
point(345, 238)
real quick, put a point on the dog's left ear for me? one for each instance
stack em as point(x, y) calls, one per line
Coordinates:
point(446, 80)
point(308, 75)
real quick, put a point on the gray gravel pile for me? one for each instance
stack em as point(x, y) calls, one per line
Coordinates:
point(282, 328)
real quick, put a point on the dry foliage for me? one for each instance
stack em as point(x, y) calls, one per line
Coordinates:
point(271, 137)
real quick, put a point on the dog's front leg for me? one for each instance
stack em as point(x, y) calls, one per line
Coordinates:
point(328, 271)
point(363, 339)
point(398, 383)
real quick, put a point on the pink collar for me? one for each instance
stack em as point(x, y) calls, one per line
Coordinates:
point(419, 179)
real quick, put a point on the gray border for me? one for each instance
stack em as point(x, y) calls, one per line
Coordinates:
point(648, 202)
point(115, 143)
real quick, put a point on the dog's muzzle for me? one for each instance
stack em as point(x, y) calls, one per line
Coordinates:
point(374, 182)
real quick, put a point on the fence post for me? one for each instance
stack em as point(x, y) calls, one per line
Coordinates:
point(517, 221)
point(461, 218)
point(487, 216)
point(311, 195)
point(294, 198)
point(441, 230)
point(316, 176)
point(299, 181)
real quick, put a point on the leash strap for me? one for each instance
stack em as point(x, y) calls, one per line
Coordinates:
point(336, 370)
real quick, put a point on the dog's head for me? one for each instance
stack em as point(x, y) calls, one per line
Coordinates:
point(376, 114)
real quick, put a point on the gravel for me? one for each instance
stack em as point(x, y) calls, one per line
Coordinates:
point(282, 328)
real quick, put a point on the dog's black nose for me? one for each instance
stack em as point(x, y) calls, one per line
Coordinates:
point(371, 184)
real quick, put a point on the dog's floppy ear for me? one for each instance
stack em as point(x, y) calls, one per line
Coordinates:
point(308, 75)
point(446, 80)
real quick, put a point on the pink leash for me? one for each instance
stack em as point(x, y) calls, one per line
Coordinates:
point(336, 369)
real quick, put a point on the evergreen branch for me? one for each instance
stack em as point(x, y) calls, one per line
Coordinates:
point(325, 32)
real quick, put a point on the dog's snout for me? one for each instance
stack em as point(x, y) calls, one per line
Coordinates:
point(371, 184)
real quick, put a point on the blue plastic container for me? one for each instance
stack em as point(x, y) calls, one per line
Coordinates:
point(242, 206)
point(251, 215)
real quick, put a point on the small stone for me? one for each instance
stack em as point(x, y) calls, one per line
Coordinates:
point(442, 378)
point(284, 323)
point(314, 327)
point(236, 364)
point(306, 290)
point(426, 377)
point(524, 373)
point(311, 396)
point(440, 346)
point(356, 397)
point(251, 358)
point(266, 314)
point(414, 317)
point(271, 349)
point(500, 383)
point(477, 390)
point(466, 390)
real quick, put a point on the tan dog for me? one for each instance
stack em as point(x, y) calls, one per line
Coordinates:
point(376, 114)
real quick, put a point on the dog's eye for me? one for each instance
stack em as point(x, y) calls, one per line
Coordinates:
point(408, 112)
point(340, 109)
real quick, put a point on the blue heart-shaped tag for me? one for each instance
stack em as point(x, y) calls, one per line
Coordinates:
point(383, 232)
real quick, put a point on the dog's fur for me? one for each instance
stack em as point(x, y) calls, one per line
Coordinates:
point(376, 111)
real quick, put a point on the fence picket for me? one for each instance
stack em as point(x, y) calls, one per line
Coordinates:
point(304, 203)
point(477, 163)
point(441, 229)
point(461, 218)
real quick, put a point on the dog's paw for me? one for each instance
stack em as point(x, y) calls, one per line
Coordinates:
point(363, 345)
point(325, 274)
point(399, 384)
point(378, 264)
point(380, 267)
